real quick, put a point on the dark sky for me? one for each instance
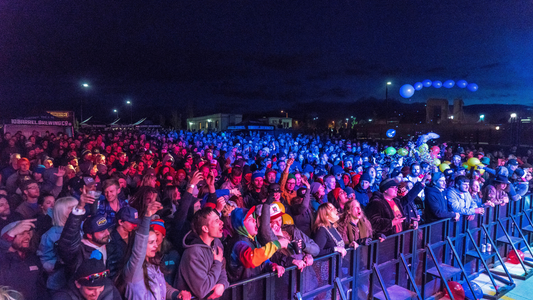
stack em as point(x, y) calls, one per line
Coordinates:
point(239, 56)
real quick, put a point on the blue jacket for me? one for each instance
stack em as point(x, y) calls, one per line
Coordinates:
point(47, 250)
point(361, 196)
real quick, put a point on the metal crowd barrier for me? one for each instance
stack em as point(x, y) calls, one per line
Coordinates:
point(413, 264)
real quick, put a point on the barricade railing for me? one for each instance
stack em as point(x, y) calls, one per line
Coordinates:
point(403, 264)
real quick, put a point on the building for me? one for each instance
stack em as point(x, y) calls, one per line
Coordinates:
point(216, 122)
point(284, 123)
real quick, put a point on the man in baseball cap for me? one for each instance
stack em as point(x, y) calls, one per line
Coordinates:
point(90, 282)
point(72, 248)
point(127, 220)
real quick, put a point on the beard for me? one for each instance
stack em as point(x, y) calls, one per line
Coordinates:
point(103, 240)
point(21, 248)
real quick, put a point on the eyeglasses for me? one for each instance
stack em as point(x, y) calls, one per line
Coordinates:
point(96, 276)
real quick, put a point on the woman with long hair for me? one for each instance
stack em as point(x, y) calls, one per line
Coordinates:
point(144, 196)
point(47, 251)
point(141, 277)
point(171, 196)
point(475, 192)
point(326, 235)
point(354, 226)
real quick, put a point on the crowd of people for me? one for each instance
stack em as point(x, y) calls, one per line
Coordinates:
point(177, 214)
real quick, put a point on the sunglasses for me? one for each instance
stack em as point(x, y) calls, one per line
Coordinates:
point(96, 276)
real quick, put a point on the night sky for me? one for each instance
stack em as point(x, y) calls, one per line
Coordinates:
point(242, 56)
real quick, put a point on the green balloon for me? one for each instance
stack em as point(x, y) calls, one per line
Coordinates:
point(402, 152)
point(390, 151)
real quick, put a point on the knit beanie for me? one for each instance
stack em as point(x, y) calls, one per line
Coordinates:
point(159, 226)
point(436, 176)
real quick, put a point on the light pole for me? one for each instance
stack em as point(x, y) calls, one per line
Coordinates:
point(85, 87)
point(131, 111)
point(116, 113)
point(387, 101)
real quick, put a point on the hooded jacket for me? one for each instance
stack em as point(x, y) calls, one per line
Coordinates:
point(198, 271)
point(247, 258)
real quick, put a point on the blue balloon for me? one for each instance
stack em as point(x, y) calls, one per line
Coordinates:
point(437, 84)
point(472, 87)
point(391, 133)
point(462, 83)
point(418, 86)
point(448, 84)
point(407, 91)
point(427, 83)
point(477, 290)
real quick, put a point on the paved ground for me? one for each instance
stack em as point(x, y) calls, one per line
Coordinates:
point(523, 289)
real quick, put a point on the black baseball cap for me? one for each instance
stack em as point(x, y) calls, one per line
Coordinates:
point(91, 272)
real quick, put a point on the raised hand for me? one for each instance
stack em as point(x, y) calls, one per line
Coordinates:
point(196, 177)
point(153, 208)
point(22, 226)
point(290, 162)
point(210, 178)
point(61, 171)
point(85, 199)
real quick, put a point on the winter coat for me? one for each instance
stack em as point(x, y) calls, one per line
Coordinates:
point(301, 213)
point(381, 215)
point(25, 275)
point(361, 196)
point(461, 203)
point(436, 205)
point(70, 248)
point(324, 240)
point(247, 258)
point(116, 249)
point(47, 250)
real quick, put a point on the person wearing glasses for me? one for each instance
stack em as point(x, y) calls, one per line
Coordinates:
point(90, 282)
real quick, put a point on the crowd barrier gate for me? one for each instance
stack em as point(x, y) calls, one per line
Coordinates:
point(413, 264)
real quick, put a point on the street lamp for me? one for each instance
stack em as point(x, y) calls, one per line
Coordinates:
point(513, 115)
point(116, 112)
point(482, 117)
point(128, 102)
point(85, 87)
point(387, 100)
